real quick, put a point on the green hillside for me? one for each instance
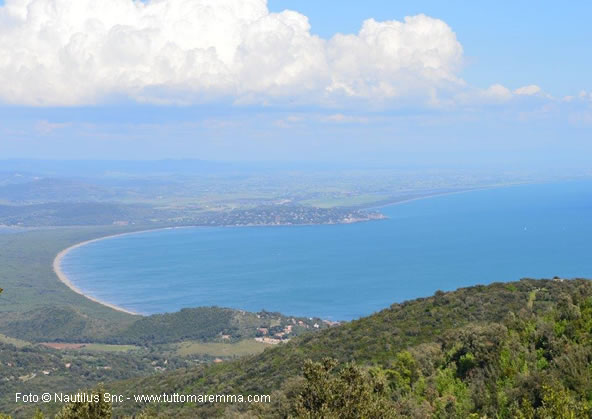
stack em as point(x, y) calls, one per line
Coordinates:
point(490, 350)
point(38, 369)
point(207, 324)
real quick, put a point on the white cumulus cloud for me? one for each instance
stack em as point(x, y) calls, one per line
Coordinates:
point(73, 52)
point(530, 90)
point(498, 92)
point(494, 94)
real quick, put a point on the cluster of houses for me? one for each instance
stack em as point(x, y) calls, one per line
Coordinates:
point(273, 336)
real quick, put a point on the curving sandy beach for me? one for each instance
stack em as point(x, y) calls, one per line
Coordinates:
point(64, 278)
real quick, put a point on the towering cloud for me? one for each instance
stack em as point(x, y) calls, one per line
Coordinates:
point(72, 52)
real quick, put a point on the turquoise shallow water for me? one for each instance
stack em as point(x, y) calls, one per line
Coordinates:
point(343, 272)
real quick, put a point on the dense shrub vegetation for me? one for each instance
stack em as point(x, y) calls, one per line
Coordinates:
point(505, 350)
point(37, 369)
point(527, 366)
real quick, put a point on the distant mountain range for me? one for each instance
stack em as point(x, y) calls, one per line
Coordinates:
point(81, 168)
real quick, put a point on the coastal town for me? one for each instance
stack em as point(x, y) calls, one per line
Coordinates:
point(70, 214)
point(282, 215)
point(282, 334)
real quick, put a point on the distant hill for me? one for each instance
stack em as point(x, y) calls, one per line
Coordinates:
point(74, 214)
point(208, 324)
point(105, 167)
point(489, 350)
point(54, 323)
point(52, 190)
point(205, 324)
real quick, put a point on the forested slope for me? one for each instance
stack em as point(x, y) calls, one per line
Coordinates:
point(501, 349)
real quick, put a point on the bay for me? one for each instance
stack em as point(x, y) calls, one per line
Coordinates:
point(342, 272)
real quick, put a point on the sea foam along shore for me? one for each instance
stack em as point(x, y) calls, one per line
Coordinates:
point(57, 268)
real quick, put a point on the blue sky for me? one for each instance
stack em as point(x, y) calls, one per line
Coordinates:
point(511, 42)
point(480, 82)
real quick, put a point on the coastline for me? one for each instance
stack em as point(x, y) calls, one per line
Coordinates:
point(64, 278)
point(441, 194)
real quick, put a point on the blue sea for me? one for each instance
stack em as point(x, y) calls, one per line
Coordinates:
point(342, 272)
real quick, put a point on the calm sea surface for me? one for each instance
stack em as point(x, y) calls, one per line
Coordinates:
point(343, 272)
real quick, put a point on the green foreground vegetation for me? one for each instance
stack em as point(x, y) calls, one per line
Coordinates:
point(514, 350)
point(484, 351)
